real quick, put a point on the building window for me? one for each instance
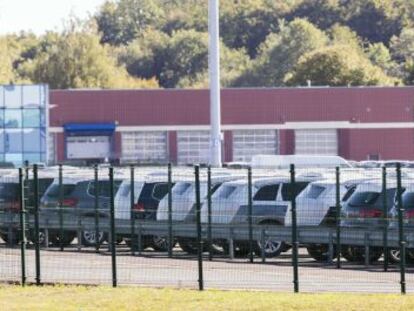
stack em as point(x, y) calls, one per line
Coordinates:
point(322, 142)
point(144, 147)
point(247, 143)
point(193, 147)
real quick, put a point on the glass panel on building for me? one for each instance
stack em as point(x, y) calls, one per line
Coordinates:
point(31, 118)
point(2, 141)
point(13, 118)
point(31, 96)
point(247, 143)
point(144, 147)
point(14, 158)
point(193, 147)
point(13, 96)
point(1, 96)
point(13, 141)
point(321, 142)
point(23, 127)
point(31, 140)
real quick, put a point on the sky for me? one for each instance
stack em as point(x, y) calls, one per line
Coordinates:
point(41, 15)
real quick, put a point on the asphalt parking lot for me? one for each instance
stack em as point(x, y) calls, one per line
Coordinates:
point(156, 269)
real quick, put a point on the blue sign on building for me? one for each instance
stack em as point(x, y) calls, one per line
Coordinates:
point(23, 123)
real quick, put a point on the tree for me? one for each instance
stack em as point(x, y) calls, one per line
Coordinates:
point(280, 52)
point(77, 60)
point(375, 20)
point(247, 23)
point(7, 73)
point(338, 65)
point(322, 13)
point(121, 22)
point(403, 52)
point(179, 60)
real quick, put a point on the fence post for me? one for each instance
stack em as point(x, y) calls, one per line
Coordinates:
point(170, 228)
point(209, 232)
point(338, 216)
point(112, 220)
point(36, 219)
point(132, 215)
point(61, 232)
point(198, 218)
point(96, 184)
point(250, 213)
point(384, 202)
point(401, 229)
point(22, 225)
point(294, 233)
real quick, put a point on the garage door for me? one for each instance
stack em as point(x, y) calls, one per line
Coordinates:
point(88, 147)
point(144, 147)
point(324, 142)
point(247, 143)
point(193, 147)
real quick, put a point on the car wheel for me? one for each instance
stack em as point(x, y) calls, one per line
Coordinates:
point(160, 243)
point(394, 255)
point(89, 237)
point(42, 237)
point(271, 248)
point(15, 241)
point(188, 245)
point(320, 252)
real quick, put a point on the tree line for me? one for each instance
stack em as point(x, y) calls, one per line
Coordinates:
point(264, 43)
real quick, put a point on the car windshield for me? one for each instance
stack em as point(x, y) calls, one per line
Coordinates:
point(315, 191)
point(366, 198)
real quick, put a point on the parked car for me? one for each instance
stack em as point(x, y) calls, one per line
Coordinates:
point(316, 206)
point(408, 221)
point(10, 199)
point(365, 209)
point(184, 204)
point(79, 196)
point(152, 192)
point(271, 200)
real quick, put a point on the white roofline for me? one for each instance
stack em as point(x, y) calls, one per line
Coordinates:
point(284, 126)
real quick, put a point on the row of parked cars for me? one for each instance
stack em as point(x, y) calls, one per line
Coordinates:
point(361, 194)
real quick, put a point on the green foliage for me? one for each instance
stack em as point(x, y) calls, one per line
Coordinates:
point(338, 65)
point(121, 22)
point(77, 60)
point(180, 60)
point(140, 43)
point(280, 52)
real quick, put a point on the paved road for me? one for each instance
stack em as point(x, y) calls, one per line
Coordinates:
point(155, 269)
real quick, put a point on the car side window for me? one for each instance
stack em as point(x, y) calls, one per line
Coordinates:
point(267, 193)
point(160, 191)
point(289, 191)
point(315, 191)
point(103, 188)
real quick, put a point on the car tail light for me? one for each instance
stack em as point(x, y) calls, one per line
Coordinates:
point(139, 207)
point(70, 202)
point(409, 213)
point(372, 213)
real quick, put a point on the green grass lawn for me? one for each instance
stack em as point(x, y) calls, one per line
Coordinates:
point(130, 298)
